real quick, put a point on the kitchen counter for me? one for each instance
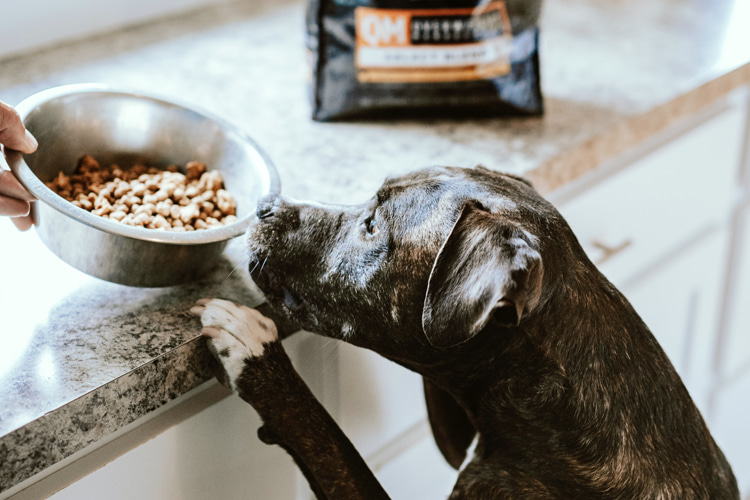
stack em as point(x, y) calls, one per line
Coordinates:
point(82, 358)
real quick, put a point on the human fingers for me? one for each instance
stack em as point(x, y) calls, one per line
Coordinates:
point(10, 187)
point(14, 199)
point(13, 207)
point(22, 223)
point(12, 132)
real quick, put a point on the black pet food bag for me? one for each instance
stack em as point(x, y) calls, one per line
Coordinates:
point(417, 58)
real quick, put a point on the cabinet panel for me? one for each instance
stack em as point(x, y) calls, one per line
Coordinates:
point(213, 454)
point(379, 399)
point(661, 200)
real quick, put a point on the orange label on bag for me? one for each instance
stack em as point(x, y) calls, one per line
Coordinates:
point(432, 45)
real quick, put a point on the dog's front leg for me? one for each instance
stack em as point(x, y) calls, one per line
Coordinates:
point(259, 370)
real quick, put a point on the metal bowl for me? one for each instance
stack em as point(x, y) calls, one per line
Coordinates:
point(123, 128)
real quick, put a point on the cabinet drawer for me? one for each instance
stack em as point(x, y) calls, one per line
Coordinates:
point(379, 400)
point(661, 200)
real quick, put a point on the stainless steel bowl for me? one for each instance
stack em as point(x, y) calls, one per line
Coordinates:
point(124, 127)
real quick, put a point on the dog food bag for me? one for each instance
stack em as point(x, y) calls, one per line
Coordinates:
point(416, 57)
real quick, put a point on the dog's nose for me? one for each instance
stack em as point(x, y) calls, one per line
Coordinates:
point(266, 206)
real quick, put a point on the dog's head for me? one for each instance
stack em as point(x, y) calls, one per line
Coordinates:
point(432, 258)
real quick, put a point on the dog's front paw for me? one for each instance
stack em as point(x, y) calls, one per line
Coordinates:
point(235, 333)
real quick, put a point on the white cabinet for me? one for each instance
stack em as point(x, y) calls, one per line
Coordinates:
point(649, 207)
point(379, 399)
point(213, 454)
point(382, 410)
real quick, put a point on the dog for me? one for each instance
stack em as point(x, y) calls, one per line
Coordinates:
point(528, 354)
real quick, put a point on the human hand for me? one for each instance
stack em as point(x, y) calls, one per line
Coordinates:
point(14, 199)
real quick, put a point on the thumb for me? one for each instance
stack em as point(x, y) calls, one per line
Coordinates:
point(22, 223)
point(12, 132)
point(10, 187)
point(27, 144)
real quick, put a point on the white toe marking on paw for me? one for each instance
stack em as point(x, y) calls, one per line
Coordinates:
point(236, 333)
point(234, 361)
point(247, 325)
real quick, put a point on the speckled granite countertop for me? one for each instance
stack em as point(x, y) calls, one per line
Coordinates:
point(81, 358)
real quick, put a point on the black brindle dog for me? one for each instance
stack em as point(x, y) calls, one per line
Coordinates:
point(471, 279)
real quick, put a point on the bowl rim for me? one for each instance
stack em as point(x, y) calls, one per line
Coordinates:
point(44, 194)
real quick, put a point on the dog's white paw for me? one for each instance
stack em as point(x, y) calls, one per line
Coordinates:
point(235, 333)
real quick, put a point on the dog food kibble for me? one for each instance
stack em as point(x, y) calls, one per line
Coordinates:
point(165, 200)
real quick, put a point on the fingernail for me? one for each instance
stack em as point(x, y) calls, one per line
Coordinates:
point(31, 142)
point(22, 223)
point(210, 331)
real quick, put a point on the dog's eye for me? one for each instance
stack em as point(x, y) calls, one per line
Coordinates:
point(370, 225)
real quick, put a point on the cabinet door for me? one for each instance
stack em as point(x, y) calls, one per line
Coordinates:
point(213, 454)
point(379, 400)
point(680, 302)
point(662, 200)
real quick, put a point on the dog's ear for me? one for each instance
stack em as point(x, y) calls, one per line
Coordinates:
point(485, 267)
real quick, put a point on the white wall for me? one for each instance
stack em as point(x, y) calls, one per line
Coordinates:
point(31, 24)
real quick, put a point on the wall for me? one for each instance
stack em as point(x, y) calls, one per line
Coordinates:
point(32, 24)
